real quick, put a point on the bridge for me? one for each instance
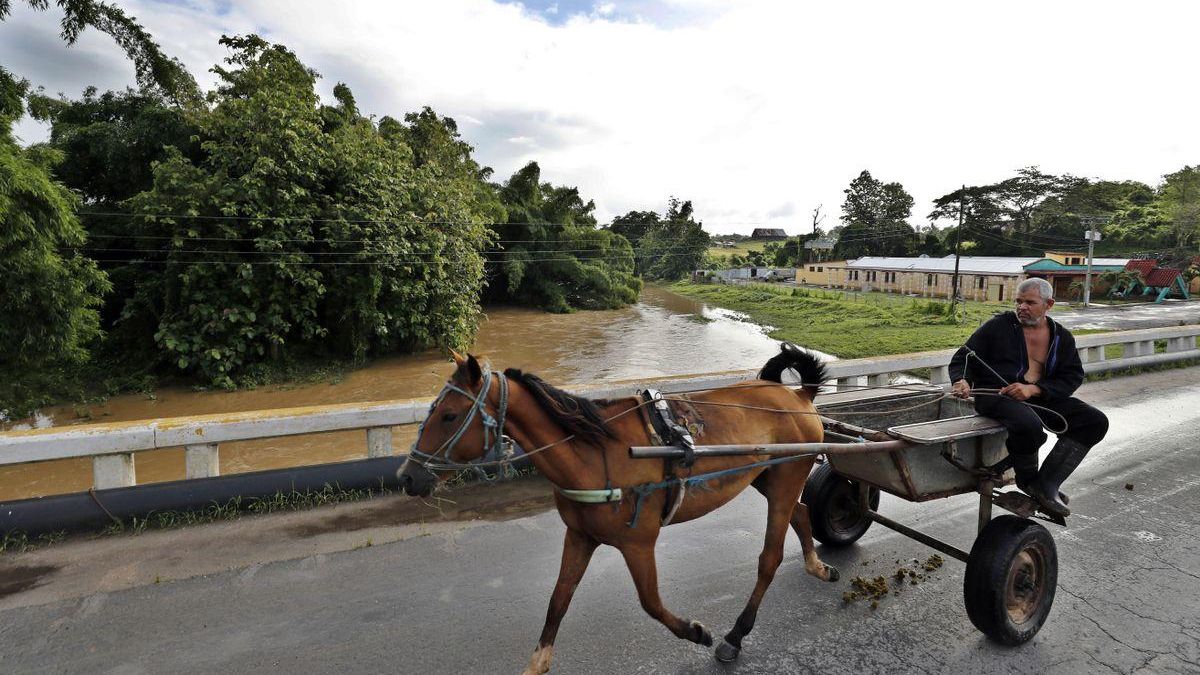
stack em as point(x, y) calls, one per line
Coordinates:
point(360, 587)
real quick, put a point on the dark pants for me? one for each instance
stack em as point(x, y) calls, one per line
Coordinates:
point(1085, 424)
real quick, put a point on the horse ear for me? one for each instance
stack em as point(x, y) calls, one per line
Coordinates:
point(458, 358)
point(474, 370)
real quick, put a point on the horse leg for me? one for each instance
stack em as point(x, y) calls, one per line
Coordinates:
point(639, 558)
point(812, 563)
point(577, 553)
point(803, 527)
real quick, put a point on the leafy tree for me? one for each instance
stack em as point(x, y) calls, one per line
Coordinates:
point(984, 224)
point(674, 246)
point(1179, 197)
point(306, 226)
point(552, 255)
point(109, 143)
point(875, 215)
point(50, 293)
point(154, 70)
point(634, 225)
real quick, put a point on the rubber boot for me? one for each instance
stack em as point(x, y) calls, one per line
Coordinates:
point(1062, 461)
point(1026, 469)
point(1007, 463)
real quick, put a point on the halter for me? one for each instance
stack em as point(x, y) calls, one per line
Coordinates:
point(499, 447)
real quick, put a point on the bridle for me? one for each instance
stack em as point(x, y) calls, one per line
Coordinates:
point(499, 448)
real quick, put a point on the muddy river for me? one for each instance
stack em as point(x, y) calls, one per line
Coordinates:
point(664, 334)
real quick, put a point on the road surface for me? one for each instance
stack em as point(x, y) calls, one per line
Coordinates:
point(1131, 317)
point(470, 598)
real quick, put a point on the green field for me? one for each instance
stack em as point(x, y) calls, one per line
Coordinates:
point(740, 248)
point(848, 325)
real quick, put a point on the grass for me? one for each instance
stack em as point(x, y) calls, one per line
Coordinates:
point(848, 325)
point(739, 248)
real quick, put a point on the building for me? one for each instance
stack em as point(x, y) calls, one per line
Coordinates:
point(830, 274)
point(1062, 269)
point(992, 278)
point(746, 274)
point(768, 233)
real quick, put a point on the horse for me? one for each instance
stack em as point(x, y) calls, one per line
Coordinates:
point(582, 447)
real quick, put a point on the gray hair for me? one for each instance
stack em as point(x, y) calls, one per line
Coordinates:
point(1043, 287)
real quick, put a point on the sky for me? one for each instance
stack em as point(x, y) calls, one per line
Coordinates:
point(758, 112)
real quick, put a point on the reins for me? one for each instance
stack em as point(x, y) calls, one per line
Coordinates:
point(500, 451)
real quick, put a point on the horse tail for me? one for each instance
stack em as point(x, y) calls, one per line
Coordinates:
point(790, 357)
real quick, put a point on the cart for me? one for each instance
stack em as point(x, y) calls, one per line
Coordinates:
point(893, 442)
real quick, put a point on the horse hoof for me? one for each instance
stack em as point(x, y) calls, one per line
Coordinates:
point(700, 634)
point(727, 653)
point(832, 573)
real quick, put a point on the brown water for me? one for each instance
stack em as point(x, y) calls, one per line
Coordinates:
point(663, 335)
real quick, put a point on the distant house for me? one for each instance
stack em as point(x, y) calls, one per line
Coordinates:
point(768, 233)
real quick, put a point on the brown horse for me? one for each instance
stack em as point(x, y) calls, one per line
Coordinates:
point(579, 444)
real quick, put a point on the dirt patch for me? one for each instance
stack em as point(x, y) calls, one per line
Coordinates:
point(502, 501)
point(14, 580)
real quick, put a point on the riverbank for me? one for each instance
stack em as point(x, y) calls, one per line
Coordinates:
point(845, 326)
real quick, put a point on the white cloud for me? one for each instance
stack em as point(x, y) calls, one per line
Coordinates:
point(740, 108)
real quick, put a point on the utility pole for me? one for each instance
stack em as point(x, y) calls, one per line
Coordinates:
point(1092, 236)
point(957, 248)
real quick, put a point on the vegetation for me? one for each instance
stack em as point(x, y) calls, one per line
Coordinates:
point(552, 255)
point(226, 237)
point(833, 323)
point(669, 246)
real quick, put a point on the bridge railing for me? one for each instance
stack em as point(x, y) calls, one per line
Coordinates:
point(112, 446)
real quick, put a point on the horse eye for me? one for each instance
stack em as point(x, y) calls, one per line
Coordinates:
point(449, 417)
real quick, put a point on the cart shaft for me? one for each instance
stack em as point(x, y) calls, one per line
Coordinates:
point(671, 451)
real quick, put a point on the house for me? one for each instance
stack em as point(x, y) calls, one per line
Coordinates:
point(1063, 269)
point(768, 233)
point(830, 274)
point(1153, 281)
point(992, 278)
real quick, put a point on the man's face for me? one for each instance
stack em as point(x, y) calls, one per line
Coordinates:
point(1031, 307)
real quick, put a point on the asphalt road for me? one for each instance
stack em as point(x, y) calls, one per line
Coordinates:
point(1130, 317)
point(472, 600)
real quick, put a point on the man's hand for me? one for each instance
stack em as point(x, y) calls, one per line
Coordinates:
point(1021, 392)
point(961, 389)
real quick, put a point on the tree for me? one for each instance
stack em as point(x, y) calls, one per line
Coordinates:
point(305, 227)
point(50, 292)
point(154, 70)
point(675, 246)
point(109, 143)
point(984, 224)
point(875, 215)
point(551, 254)
point(1179, 196)
point(634, 225)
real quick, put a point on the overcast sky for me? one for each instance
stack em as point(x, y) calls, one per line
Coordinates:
point(755, 111)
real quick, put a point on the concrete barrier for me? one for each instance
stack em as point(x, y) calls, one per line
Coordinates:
point(112, 446)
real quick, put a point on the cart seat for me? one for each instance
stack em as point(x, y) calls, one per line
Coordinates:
point(940, 431)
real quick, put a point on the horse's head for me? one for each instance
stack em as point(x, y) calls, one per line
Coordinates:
point(462, 426)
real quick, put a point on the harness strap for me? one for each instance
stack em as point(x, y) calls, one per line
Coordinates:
point(601, 496)
point(668, 429)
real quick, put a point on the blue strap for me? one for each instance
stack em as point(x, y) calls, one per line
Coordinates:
point(645, 490)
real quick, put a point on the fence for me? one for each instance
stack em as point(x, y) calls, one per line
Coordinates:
point(112, 447)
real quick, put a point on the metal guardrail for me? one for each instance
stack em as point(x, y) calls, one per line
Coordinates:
point(112, 446)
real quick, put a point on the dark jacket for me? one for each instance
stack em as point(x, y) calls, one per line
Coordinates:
point(1000, 343)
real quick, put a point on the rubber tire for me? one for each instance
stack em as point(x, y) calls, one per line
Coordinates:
point(821, 493)
point(985, 585)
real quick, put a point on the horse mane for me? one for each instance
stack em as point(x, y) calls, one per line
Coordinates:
point(578, 415)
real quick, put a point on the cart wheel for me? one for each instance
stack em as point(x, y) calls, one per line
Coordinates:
point(834, 511)
point(1012, 574)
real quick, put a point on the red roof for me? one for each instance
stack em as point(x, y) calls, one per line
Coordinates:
point(1163, 276)
point(1142, 265)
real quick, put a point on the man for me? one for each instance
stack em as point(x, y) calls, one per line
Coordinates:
point(1031, 359)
